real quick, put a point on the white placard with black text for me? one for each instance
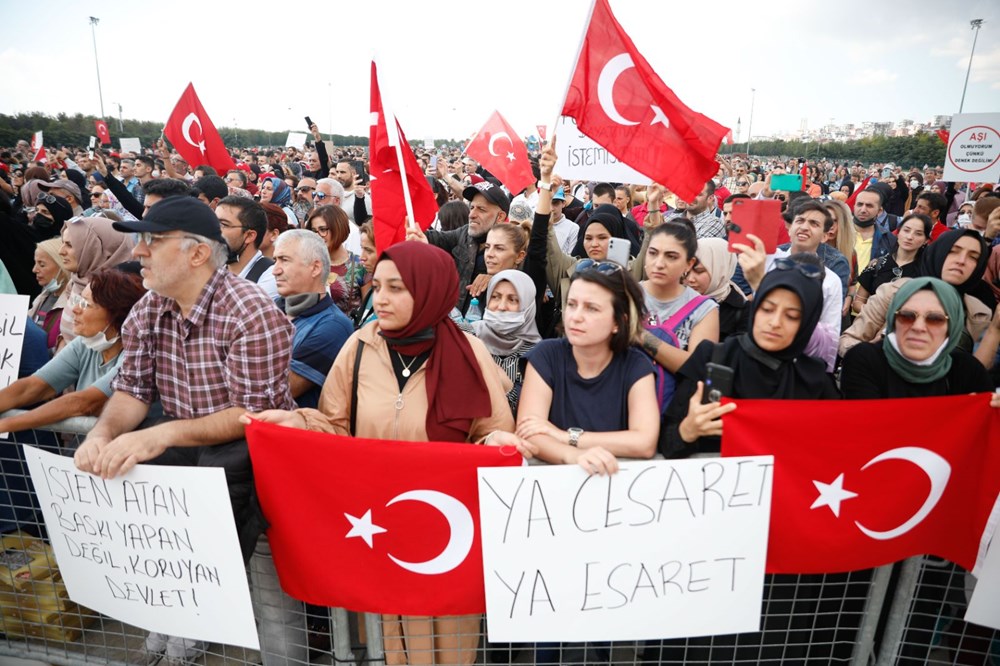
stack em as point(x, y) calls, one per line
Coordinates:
point(581, 158)
point(973, 149)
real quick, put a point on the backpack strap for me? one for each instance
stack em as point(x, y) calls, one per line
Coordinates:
point(354, 387)
point(258, 268)
point(675, 319)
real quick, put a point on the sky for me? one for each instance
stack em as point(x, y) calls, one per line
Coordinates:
point(444, 67)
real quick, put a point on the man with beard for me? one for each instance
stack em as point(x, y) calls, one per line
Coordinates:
point(244, 225)
point(489, 205)
point(873, 240)
point(356, 202)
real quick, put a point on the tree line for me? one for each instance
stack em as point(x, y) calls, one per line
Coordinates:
point(904, 151)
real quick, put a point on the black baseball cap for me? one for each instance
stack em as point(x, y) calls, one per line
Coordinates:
point(493, 193)
point(177, 214)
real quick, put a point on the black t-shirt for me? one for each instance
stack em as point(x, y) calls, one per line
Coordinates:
point(598, 404)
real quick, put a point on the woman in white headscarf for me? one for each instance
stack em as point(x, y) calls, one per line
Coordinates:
point(712, 276)
point(508, 326)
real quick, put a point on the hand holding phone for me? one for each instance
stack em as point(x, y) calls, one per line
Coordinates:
point(760, 217)
point(718, 383)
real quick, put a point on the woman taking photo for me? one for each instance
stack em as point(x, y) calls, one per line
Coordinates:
point(46, 311)
point(914, 234)
point(347, 272)
point(419, 379)
point(712, 276)
point(89, 362)
point(590, 397)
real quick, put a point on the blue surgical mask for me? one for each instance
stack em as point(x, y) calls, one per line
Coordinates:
point(53, 286)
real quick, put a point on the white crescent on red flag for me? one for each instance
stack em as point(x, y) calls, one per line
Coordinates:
point(38, 147)
point(103, 134)
point(193, 135)
point(620, 102)
point(921, 477)
point(499, 149)
point(400, 520)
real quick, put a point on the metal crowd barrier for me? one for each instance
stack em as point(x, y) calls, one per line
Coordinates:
point(907, 613)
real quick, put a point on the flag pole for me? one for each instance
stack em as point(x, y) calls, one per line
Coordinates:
point(572, 70)
point(393, 137)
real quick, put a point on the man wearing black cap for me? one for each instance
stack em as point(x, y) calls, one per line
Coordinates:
point(488, 205)
point(211, 346)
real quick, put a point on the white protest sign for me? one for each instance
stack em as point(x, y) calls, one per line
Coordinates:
point(581, 158)
point(973, 149)
point(659, 550)
point(156, 548)
point(429, 143)
point(131, 146)
point(295, 140)
point(13, 320)
point(984, 606)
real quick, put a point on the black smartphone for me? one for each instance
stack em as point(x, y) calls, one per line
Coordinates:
point(718, 383)
point(359, 167)
point(309, 123)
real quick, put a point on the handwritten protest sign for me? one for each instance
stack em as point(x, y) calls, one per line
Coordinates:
point(13, 319)
point(131, 145)
point(658, 550)
point(580, 157)
point(156, 548)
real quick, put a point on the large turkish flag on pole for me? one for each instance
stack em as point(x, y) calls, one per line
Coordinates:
point(620, 102)
point(917, 476)
point(399, 187)
point(193, 135)
point(373, 525)
point(501, 152)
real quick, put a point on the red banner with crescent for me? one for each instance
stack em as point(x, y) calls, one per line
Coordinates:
point(374, 525)
point(193, 135)
point(501, 152)
point(912, 477)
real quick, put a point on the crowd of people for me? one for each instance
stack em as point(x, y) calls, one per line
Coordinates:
point(575, 321)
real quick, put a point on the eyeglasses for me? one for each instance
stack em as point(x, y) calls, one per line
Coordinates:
point(78, 301)
point(96, 195)
point(743, 183)
point(232, 226)
point(45, 198)
point(322, 231)
point(932, 319)
point(605, 267)
point(320, 195)
point(234, 180)
point(150, 239)
point(810, 271)
point(305, 188)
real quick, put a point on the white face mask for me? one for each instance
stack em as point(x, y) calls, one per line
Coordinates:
point(964, 220)
point(53, 286)
point(98, 342)
point(504, 323)
point(914, 184)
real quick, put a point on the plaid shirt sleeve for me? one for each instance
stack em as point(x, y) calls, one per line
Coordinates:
point(257, 365)
point(137, 374)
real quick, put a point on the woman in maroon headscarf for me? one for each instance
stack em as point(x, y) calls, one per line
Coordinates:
point(420, 379)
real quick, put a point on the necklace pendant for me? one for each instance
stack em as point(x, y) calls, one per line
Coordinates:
point(406, 372)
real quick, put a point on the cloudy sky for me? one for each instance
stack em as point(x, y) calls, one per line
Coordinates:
point(445, 66)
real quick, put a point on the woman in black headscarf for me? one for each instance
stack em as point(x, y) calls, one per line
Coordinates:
point(769, 361)
point(958, 257)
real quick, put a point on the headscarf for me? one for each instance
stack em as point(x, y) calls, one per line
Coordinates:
point(456, 390)
point(714, 255)
point(607, 215)
point(504, 333)
point(938, 365)
point(30, 191)
point(935, 254)
point(282, 193)
point(788, 373)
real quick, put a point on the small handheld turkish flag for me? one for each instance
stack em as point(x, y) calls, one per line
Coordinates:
point(38, 147)
point(501, 152)
point(102, 132)
point(374, 525)
point(909, 483)
point(193, 135)
point(541, 131)
point(620, 102)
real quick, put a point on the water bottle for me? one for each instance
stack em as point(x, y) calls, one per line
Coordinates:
point(473, 313)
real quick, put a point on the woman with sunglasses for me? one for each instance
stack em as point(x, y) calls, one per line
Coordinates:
point(347, 271)
point(89, 362)
point(958, 257)
point(913, 235)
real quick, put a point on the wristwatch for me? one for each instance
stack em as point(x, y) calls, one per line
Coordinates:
point(545, 186)
point(574, 436)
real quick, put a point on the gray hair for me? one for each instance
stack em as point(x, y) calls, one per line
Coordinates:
point(311, 246)
point(220, 251)
point(338, 189)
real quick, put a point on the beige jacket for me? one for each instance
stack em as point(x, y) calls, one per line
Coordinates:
point(384, 412)
point(871, 321)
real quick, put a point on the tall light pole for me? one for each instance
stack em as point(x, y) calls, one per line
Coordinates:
point(753, 94)
point(976, 25)
point(121, 123)
point(93, 22)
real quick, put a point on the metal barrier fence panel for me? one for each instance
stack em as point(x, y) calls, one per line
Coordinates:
point(807, 619)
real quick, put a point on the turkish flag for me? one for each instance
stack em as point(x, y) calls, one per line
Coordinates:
point(38, 147)
point(619, 102)
point(388, 197)
point(944, 135)
point(102, 132)
point(193, 135)
point(920, 476)
point(501, 152)
point(541, 131)
point(858, 190)
point(373, 525)
point(729, 138)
